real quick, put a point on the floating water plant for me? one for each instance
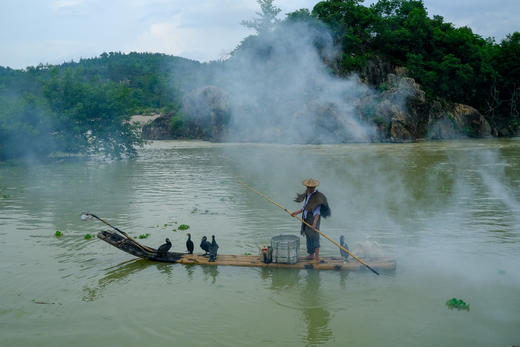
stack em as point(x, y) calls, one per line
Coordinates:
point(184, 227)
point(144, 236)
point(199, 211)
point(457, 304)
point(88, 237)
point(224, 198)
point(6, 196)
point(58, 233)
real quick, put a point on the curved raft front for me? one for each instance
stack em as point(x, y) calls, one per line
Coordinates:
point(327, 263)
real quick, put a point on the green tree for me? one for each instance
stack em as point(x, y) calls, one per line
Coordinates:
point(353, 26)
point(26, 127)
point(266, 20)
point(84, 107)
point(506, 100)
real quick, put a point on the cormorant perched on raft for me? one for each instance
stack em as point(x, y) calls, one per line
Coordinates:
point(164, 248)
point(189, 244)
point(213, 249)
point(204, 244)
point(342, 243)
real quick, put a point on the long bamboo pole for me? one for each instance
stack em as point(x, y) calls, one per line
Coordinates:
point(301, 220)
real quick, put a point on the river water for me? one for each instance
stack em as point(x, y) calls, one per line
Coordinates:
point(448, 212)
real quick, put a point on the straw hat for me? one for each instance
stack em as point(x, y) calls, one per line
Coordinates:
point(311, 182)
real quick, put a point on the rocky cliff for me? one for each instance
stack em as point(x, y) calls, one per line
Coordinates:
point(401, 113)
point(205, 115)
point(395, 111)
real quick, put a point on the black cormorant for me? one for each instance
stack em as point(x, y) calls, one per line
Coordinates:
point(344, 254)
point(213, 248)
point(189, 244)
point(204, 244)
point(164, 248)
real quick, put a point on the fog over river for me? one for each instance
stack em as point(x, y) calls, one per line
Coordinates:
point(448, 212)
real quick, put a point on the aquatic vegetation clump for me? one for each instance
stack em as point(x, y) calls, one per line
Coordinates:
point(144, 236)
point(58, 233)
point(184, 227)
point(201, 211)
point(458, 304)
point(88, 237)
point(228, 198)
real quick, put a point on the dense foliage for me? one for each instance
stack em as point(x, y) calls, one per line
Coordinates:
point(84, 107)
point(451, 63)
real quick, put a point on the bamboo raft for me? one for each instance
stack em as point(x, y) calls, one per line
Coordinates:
point(327, 263)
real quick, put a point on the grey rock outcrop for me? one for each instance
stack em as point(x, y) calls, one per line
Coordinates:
point(397, 111)
point(208, 111)
point(158, 129)
point(204, 115)
point(456, 121)
point(401, 113)
point(375, 71)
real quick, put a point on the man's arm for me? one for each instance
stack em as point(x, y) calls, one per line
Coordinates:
point(316, 217)
point(296, 212)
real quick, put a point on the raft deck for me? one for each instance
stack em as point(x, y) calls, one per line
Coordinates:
point(326, 263)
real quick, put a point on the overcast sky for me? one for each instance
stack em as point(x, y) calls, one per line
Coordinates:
point(54, 31)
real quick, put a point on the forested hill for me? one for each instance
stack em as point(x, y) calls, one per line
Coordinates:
point(83, 107)
point(448, 62)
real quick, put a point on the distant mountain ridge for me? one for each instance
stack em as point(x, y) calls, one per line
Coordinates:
point(342, 72)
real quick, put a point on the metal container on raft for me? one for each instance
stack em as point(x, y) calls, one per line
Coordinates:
point(286, 249)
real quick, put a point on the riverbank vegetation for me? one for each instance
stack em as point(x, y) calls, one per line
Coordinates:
point(84, 107)
point(448, 62)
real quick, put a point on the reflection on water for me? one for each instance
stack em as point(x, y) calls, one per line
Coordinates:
point(281, 279)
point(314, 313)
point(449, 213)
point(121, 272)
point(310, 302)
point(210, 274)
point(115, 274)
point(165, 269)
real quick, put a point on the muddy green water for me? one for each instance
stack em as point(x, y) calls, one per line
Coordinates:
point(448, 212)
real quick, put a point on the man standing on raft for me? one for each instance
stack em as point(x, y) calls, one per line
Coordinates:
point(314, 207)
